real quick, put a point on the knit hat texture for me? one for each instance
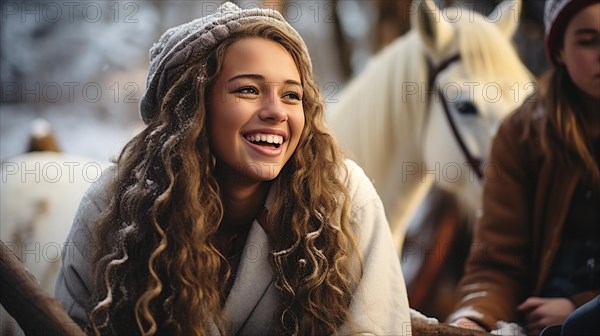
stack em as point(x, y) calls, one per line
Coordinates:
point(557, 15)
point(169, 57)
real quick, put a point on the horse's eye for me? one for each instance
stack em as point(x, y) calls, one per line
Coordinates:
point(466, 108)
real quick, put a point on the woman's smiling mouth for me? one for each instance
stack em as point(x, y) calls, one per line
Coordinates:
point(265, 139)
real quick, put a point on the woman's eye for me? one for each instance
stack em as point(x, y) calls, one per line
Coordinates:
point(247, 90)
point(292, 95)
point(588, 42)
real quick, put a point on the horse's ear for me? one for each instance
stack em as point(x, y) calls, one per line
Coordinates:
point(506, 16)
point(435, 31)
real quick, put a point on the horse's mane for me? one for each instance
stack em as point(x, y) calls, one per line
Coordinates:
point(487, 53)
point(366, 119)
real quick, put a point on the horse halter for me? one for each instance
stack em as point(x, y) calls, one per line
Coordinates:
point(474, 163)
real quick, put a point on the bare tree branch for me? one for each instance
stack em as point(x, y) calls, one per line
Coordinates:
point(36, 312)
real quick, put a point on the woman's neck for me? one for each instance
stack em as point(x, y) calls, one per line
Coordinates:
point(241, 204)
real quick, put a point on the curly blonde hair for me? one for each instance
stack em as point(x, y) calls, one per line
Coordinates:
point(161, 271)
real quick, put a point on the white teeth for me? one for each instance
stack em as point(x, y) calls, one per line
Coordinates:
point(268, 138)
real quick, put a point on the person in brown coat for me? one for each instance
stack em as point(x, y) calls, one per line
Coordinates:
point(535, 256)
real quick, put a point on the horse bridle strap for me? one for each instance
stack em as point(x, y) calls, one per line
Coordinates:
point(474, 163)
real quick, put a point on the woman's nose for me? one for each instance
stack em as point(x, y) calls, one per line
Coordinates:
point(273, 109)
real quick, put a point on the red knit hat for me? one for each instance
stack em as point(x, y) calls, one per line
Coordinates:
point(557, 15)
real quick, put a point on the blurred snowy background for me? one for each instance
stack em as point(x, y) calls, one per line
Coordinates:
point(82, 64)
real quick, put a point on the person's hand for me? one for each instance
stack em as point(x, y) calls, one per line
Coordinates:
point(465, 323)
point(543, 312)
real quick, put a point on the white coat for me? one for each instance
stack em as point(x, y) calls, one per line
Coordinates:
point(379, 306)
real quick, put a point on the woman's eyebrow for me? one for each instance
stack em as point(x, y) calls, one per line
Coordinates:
point(261, 78)
point(293, 82)
point(247, 76)
point(585, 31)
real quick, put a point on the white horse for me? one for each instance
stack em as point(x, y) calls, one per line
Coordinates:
point(426, 107)
point(39, 195)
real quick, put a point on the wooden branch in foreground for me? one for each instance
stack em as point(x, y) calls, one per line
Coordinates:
point(36, 312)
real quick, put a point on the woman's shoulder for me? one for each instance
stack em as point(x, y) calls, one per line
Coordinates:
point(356, 175)
point(517, 143)
point(99, 192)
point(360, 187)
point(525, 121)
point(519, 134)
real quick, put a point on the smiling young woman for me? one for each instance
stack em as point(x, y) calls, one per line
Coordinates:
point(234, 211)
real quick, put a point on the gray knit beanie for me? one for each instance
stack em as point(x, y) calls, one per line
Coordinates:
point(557, 15)
point(169, 56)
